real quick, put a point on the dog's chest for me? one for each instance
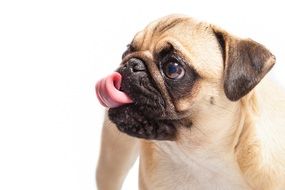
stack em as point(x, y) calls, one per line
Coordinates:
point(166, 177)
point(165, 167)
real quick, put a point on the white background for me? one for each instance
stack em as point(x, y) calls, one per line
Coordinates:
point(51, 54)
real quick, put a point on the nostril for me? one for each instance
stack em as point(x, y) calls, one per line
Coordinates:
point(137, 65)
point(138, 68)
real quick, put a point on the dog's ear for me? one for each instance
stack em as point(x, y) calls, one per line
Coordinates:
point(246, 62)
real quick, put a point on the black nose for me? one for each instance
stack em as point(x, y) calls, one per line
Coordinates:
point(136, 65)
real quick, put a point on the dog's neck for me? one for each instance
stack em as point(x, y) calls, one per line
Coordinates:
point(208, 147)
point(215, 128)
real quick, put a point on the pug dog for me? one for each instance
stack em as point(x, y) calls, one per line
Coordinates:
point(192, 101)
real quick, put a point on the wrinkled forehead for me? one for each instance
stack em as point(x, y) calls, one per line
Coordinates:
point(193, 40)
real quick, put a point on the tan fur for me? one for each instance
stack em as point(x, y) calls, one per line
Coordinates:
point(118, 153)
point(231, 145)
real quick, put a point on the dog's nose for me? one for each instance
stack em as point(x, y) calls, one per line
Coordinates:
point(136, 65)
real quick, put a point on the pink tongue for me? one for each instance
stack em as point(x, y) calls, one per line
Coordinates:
point(108, 93)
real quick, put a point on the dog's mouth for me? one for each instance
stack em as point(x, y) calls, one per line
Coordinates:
point(108, 91)
point(136, 106)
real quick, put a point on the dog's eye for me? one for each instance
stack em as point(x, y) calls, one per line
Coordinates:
point(173, 70)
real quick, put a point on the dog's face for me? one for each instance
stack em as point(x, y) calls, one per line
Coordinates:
point(176, 67)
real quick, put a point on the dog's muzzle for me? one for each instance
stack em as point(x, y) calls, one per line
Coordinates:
point(143, 117)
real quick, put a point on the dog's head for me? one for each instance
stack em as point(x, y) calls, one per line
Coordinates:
point(177, 66)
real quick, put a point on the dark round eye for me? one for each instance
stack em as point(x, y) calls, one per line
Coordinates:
point(173, 70)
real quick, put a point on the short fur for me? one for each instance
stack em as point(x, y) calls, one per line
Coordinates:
point(226, 129)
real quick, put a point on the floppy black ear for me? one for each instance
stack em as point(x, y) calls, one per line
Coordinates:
point(246, 62)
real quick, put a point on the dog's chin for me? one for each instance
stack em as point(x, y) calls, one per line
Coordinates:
point(130, 120)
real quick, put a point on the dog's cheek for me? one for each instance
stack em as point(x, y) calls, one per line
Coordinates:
point(128, 120)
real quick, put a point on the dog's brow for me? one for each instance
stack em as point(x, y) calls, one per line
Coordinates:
point(165, 49)
point(163, 27)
